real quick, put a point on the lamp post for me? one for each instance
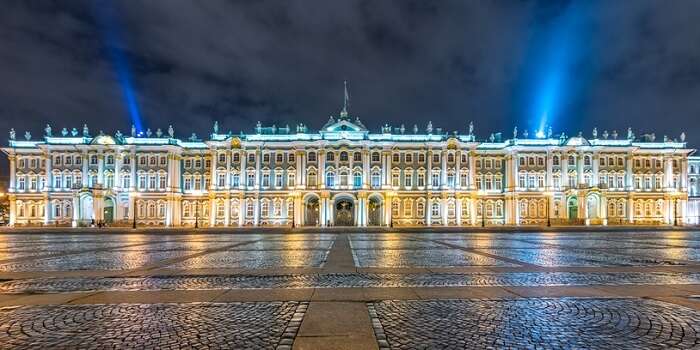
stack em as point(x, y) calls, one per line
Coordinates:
point(549, 219)
point(483, 214)
point(196, 216)
point(675, 212)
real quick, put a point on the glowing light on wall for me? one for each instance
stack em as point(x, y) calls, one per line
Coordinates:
point(114, 45)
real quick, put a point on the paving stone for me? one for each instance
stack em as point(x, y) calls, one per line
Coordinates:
point(179, 326)
point(582, 323)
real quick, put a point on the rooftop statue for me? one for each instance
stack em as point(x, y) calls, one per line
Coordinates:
point(515, 132)
point(74, 132)
point(549, 131)
point(27, 135)
point(630, 134)
point(159, 133)
point(429, 128)
point(193, 137)
point(13, 134)
point(171, 131)
point(133, 130)
point(525, 133)
point(64, 132)
point(148, 132)
point(86, 131)
point(471, 128)
point(595, 133)
point(118, 134)
point(47, 130)
point(216, 127)
point(415, 128)
point(614, 134)
point(605, 134)
point(683, 136)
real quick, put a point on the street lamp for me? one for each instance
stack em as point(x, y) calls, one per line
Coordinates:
point(196, 216)
point(483, 214)
point(675, 212)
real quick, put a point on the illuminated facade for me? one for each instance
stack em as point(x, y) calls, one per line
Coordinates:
point(344, 175)
point(693, 216)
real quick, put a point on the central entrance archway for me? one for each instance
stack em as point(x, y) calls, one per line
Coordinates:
point(108, 210)
point(374, 211)
point(311, 211)
point(344, 213)
point(573, 208)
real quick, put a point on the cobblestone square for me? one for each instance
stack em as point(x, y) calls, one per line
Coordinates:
point(398, 290)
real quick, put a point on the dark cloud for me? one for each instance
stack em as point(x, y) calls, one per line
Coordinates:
point(633, 63)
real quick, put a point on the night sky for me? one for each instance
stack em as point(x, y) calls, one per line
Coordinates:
point(610, 64)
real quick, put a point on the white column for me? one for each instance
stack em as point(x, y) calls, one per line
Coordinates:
point(458, 170)
point(48, 183)
point(213, 183)
point(628, 173)
point(228, 179)
point(458, 211)
point(596, 167)
point(117, 171)
point(472, 172)
point(549, 184)
point(243, 180)
point(241, 211)
point(668, 173)
point(100, 168)
point(429, 211)
point(85, 169)
point(443, 169)
point(366, 171)
point(227, 210)
point(429, 170)
point(321, 180)
point(132, 184)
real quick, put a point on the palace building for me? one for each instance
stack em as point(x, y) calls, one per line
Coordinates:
point(345, 175)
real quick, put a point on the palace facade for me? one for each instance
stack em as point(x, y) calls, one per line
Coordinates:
point(345, 175)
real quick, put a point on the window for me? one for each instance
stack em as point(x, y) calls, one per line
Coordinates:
point(421, 158)
point(78, 160)
point(409, 158)
point(531, 161)
point(376, 179)
point(450, 158)
point(279, 157)
point(395, 208)
point(126, 181)
point(152, 182)
point(343, 178)
point(357, 157)
point(207, 163)
point(221, 180)
point(357, 179)
point(69, 160)
point(555, 160)
point(312, 156)
point(540, 161)
point(408, 179)
point(251, 158)
point(142, 181)
point(489, 163)
point(330, 156)
point(56, 161)
point(266, 180)
point(266, 157)
point(330, 179)
point(188, 163)
point(464, 179)
point(395, 178)
point(435, 179)
point(236, 157)
point(572, 160)
point(93, 159)
point(420, 180)
point(407, 208)
point(375, 156)
point(395, 158)
point(152, 160)
point(498, 182)
point(197, 163)
point(522, 181)
point(479, 182)
point(311, 178)
point(162, 181)
point(343, 156)
point(420, 209)
point(250, 180)
point(235, 180)
point(279, 180)
point(435, 210)
point(264, 209)
point(587, 160)
point(291, 179)
point(291, 158)
point(436, 158)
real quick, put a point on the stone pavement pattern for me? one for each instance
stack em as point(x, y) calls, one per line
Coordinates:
point(350, 290)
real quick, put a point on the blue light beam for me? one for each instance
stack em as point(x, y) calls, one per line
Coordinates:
point(559, 53)
point(114, 45)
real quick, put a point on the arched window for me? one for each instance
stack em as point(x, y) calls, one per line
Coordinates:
point(330, 179)
point(420, 209)
point(343, 156)
point(330, 156)
point(311, 178)
point(435, 209)
point(357, 179)
point(376, 178)
point(312, 156)
point(343, 178)
point(264, 208)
